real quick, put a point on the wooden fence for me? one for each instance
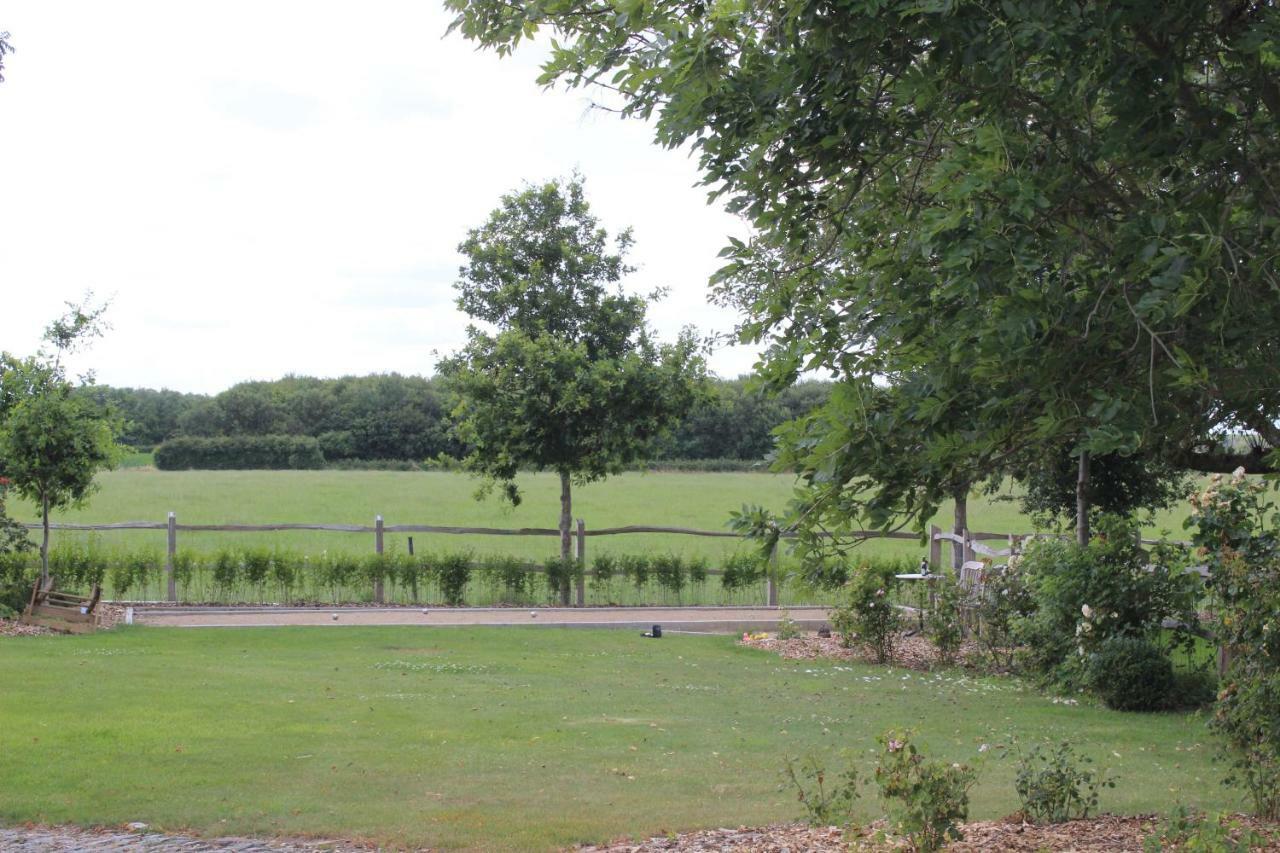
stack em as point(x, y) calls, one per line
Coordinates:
point(966, 545)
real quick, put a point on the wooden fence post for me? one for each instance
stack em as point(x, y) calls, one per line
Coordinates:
point(171, 554)
point(378, 592)
point(581, 591)
point(771, 578)
point(935, 548)
point(966, 550)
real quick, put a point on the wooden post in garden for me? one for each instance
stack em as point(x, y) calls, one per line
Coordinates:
point(378, 594)
point(581, 591)
point(771, 578)
point(170, 555)
point(966, 550)
point(935, 548)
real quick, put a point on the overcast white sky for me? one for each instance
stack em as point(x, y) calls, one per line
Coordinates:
point(265, 188)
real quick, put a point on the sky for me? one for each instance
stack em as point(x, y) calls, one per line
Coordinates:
point(270, 188)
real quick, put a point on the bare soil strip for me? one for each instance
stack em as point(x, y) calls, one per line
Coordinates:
point(720, 620)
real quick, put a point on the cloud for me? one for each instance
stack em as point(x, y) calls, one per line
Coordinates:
point(264, 106)
point(277, 187)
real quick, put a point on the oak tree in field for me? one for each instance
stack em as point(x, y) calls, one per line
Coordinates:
point(53, 441)
point(1064, 213)
point(565, 375)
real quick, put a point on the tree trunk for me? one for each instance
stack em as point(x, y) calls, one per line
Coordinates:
point(1082, 500)
point(566, 535)
point(44, 544)
point(959, 526)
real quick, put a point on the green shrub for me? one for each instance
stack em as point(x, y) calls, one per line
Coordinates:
point(284, 571)
point(868, 616)
point(928, 800)
point(416, 572)
point(401, 571)
point(743, 570)
point(1193, 688)
point(1055, 785)
point(184, 566)
point(945, 622)
point(668, 571)
point(341, 572)
point(560, 572)
point(1001, 610)
point(256, 567)
point(1194, 832)
point(135, 570)
point(824, 804)
point(453, 572)
point(512, 575)
point(1131, 674)
point(697, 569)
point(17, 576)
point(241, 452)
point(375, 569)
point(787, 627)
point(226, 571)
point(1085, 596)
point(635, 568)
point(603, 568)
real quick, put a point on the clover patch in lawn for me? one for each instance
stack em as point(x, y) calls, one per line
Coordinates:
point(438, 668)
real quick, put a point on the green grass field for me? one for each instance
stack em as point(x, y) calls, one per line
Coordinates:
point(506, 738)
point(700, 500)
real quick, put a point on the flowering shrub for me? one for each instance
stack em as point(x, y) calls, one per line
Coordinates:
point(1085, 596)
point(1238, 533)
point(927, 799)
point(869, 617)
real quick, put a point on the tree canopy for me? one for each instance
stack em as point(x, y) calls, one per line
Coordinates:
point(570, 379)
point(1063, 216)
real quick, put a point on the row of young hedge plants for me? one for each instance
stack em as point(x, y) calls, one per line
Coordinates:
point(263, 574)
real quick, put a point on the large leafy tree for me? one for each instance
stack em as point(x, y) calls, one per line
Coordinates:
point(567, 378)
point(1062, 217)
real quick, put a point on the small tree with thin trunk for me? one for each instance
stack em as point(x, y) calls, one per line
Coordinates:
point(52, 440)
point(53, 445)
point(569, 380)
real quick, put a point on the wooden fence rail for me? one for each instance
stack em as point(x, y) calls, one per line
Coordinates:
point(965, 545)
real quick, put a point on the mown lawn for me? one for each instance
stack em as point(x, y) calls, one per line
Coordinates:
point(504, 738)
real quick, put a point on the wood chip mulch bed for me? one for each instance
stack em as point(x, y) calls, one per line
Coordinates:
point(910, 651)
point(111, 616)
point(12, 628)
point(1091, 835)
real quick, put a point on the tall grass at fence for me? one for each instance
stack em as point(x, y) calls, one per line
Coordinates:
point(259, 575)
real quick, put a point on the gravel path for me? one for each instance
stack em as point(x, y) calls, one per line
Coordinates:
point(68, 838)
point(721, 620)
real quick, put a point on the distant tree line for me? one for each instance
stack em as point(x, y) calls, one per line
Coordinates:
point(395, 417)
